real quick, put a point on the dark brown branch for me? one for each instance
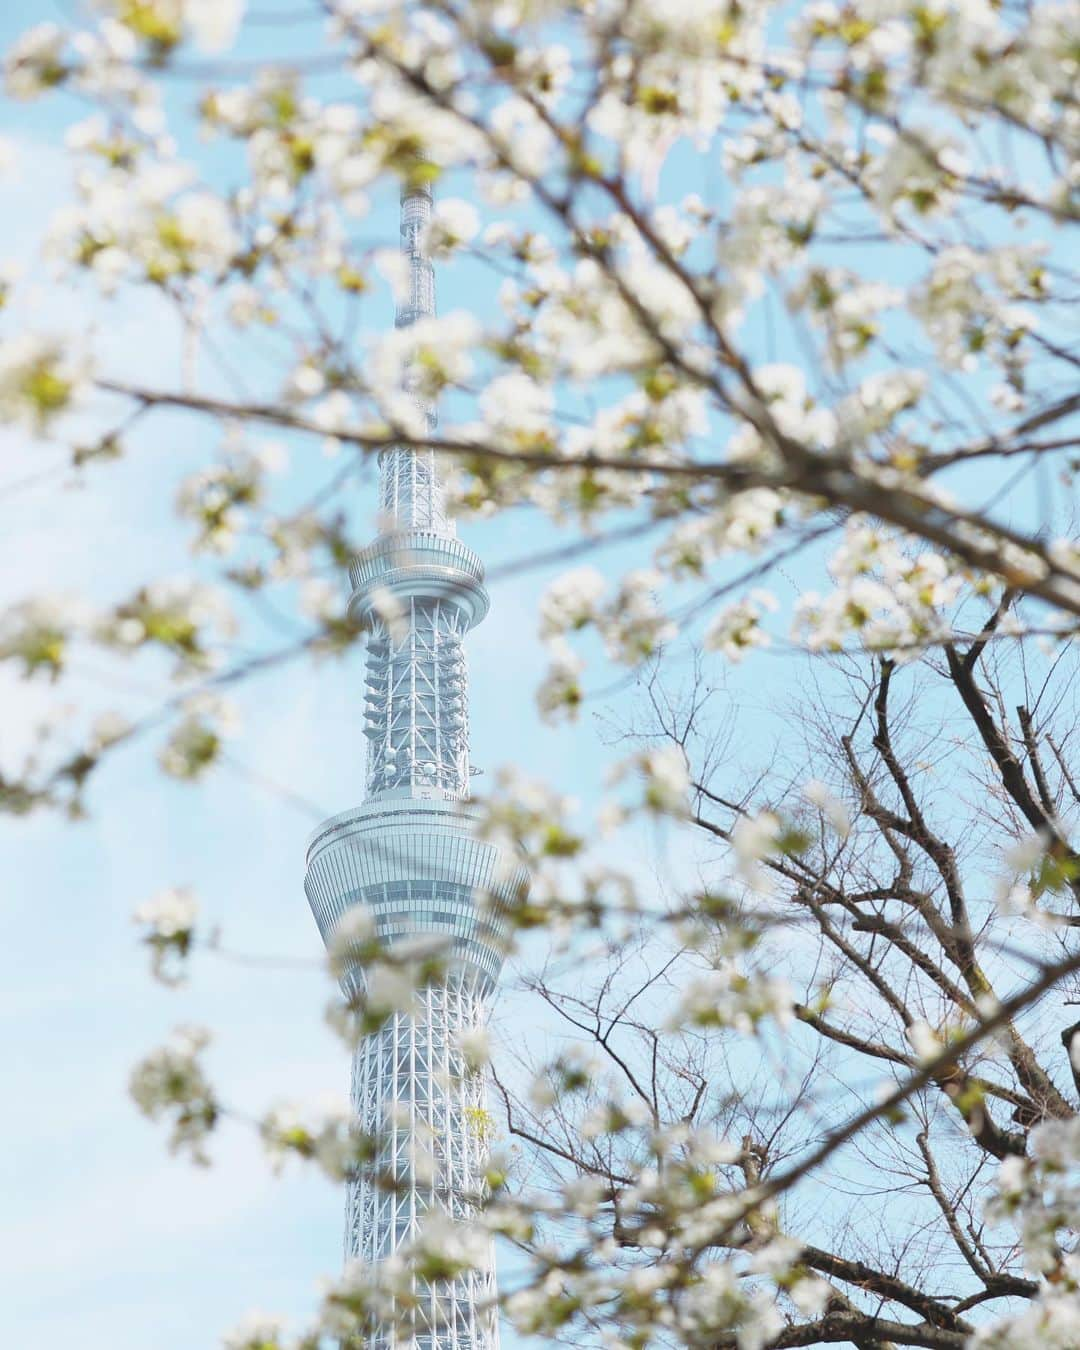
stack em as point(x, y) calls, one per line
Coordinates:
point(1008, 766)
point(852, 1327)
point(1031, 744)
point(549, 1146)
point(948, 1210)
point(886, 1286)
point(829, 477)
point(951, 1054)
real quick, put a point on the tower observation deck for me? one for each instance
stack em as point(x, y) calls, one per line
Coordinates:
point(408, 854)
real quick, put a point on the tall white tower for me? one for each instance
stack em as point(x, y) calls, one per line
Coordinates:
point(408, 854)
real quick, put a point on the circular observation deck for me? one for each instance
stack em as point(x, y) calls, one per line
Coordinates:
point(418, 564)
point(418, 866)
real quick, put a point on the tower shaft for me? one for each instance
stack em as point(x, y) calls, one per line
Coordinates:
point(410, 1083)
point(409, 855)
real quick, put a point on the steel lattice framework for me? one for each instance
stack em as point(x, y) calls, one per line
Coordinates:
point(408, 853)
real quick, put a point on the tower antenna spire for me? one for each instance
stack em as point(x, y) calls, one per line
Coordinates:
point(411, 488)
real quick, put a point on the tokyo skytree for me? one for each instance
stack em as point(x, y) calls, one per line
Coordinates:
point(408, 853)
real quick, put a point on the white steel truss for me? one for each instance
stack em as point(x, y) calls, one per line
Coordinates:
point(412, 1087)
point(417, 715)
point(411, 491)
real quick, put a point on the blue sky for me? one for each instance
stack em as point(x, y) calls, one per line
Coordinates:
point(107, 1242)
